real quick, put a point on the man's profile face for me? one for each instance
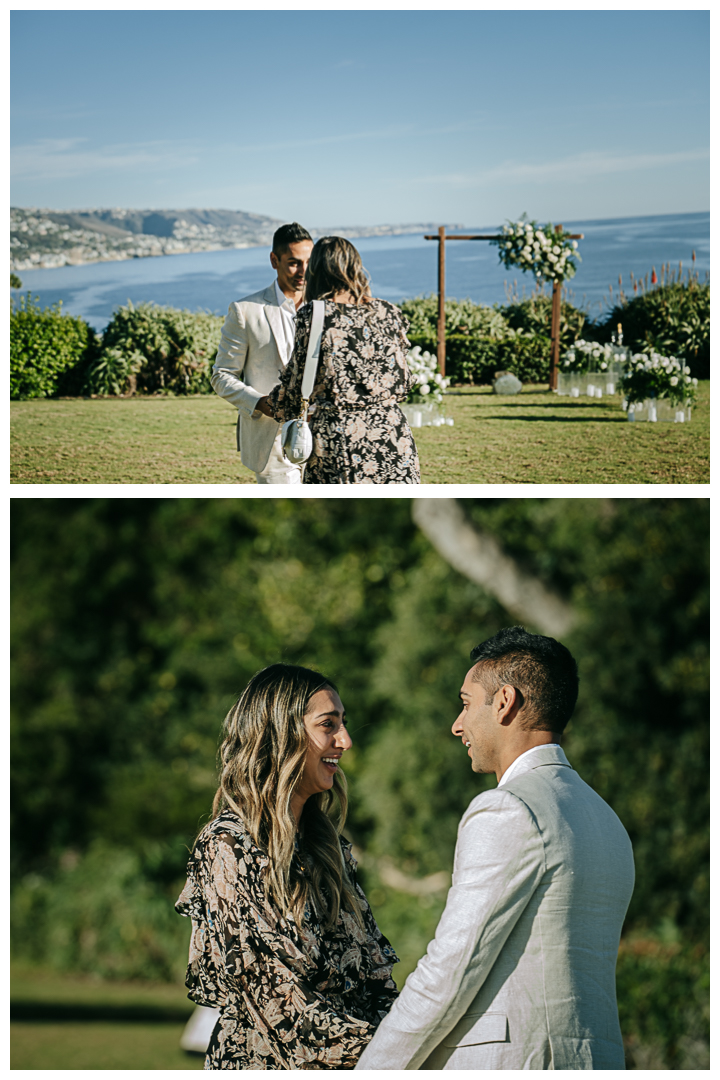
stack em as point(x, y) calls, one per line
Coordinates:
point(476, 724)
point(291, 266)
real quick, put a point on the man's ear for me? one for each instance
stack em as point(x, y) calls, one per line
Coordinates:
point(273, 260)
point(508, 702)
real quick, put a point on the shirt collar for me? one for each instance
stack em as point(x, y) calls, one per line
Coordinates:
point(282, 299)
point(513, 768)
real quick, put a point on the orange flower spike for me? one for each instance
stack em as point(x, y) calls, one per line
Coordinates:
point(653, 279)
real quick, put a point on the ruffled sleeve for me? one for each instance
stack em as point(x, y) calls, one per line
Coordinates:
point(378, 989)
point(285, 399)
point(250, 962)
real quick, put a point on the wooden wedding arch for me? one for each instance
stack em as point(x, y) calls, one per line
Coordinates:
point(556, 297)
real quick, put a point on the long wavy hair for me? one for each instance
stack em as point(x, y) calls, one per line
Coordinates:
point(335, 265)
point(261, 760)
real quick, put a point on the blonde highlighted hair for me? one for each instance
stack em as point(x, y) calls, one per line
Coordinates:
point(262, 756)
point(335, 266)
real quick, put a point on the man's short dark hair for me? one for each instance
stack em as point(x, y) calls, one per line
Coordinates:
point(542, 669)
point(287, 235)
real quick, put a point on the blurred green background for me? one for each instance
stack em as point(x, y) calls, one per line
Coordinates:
point(136, 622)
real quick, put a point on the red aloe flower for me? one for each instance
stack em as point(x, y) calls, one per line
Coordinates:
point(653, 279)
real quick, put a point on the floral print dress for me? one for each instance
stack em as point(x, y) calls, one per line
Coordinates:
point(291, 997)
point(360, 435)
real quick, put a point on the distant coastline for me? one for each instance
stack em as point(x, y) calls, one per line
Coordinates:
point(49, 239)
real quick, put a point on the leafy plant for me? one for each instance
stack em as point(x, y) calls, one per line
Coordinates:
point(15, 282)
point(150, 349)
point(48, 350)
point(649, 375)
point(534, 314)
point(672, 319)
point(113, 373)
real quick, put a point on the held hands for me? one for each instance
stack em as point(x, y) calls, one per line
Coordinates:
point(263, 407)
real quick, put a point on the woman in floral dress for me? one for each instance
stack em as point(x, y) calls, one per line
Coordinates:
point(283, 940)
point(360, 435)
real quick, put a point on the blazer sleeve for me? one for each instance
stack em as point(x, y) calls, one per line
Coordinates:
point(227, 372)
point(499, 862)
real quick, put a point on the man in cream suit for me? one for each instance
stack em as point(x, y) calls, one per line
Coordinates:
point(256, 344)
point(521, 973)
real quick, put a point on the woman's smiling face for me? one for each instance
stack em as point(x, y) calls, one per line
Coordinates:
point(328, 739)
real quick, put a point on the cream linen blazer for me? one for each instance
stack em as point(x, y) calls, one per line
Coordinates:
point(521, 973)
point(248, 365)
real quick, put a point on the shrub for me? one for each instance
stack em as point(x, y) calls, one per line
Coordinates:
point(15, 282)
point(151, 349)
point(481, 340)
point(104, 912)
point(461, 316)
point(663, 980)
point(672, 319)
point(534, 315)
point(49, 351)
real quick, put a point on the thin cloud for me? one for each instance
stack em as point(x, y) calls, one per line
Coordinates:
point(66, 158)
point(71, 157)
point(577, 167)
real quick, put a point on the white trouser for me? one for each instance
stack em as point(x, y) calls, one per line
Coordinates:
point(278, 469)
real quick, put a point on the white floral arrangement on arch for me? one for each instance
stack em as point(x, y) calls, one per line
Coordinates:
point(580, 355)
point(650, 375)
point(428, 384)
point(546, 254)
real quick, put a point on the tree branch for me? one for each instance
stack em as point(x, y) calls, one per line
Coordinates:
point(480, 558)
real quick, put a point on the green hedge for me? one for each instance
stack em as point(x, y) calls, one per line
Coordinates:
point(49, 352)
point(663, 988)
point(481, 340)
point(150, 349)
point(674, 319)
point(145, 349)
point(108, 912)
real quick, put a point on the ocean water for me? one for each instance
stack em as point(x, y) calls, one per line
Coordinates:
point(399, 266)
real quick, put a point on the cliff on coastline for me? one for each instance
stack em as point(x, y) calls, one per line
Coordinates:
point(51, 238)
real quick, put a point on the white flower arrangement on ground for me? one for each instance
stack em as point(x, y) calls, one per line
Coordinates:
point(546, 254)
point(581, 355)
point(650, 375)
point(428, 383)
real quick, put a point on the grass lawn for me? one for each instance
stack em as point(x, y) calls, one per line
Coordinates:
point(536, 437)
point(73, 1041)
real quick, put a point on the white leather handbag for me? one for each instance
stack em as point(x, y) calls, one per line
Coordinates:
point(295, 436)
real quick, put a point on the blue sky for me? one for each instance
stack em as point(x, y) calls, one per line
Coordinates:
point(363, 117)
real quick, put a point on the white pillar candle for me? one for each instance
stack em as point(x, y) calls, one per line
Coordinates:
point(679, 417)
point(598, 392)
point(610, 388)
point(449, 421)
point(574, 391)
point(652, 412)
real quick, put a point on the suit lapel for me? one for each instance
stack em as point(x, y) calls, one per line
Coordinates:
point(273, 316)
